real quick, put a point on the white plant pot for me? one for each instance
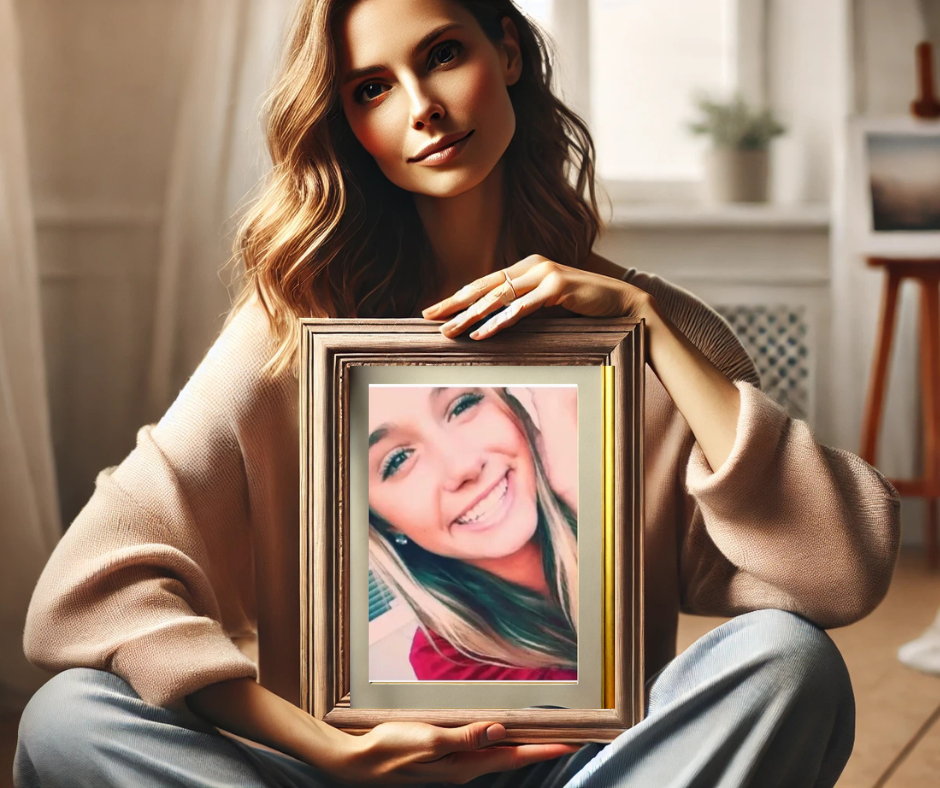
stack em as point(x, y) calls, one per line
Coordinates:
point(733, 175)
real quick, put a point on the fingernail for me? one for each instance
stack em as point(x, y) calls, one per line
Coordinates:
point(475, 334)
point(495, 732)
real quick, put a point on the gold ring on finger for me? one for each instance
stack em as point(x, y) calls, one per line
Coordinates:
point(509, 282)
point(507, 294)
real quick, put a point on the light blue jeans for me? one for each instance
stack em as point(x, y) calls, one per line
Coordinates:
point(763, 700)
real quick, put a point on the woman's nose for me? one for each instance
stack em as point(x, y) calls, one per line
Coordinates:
point(424, 108)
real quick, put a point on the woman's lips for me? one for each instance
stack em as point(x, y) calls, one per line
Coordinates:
point(491, 509)
point(445, 154)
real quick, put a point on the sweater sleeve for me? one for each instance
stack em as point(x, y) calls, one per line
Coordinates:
point(151, 581)
point(785, 522)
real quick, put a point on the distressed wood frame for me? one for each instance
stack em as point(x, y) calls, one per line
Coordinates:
point(329, 347)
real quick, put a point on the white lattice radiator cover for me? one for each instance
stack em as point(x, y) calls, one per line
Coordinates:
point(775, 337)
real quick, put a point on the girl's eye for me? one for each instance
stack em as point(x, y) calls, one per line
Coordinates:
point(464, 402)
point(369, 91)
point(395, 460)
point(445, 53)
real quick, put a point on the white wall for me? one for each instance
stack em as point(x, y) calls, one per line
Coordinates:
point(806, 76)
point(781, 262)
point(102, 79)
point(826, 59)
point(881, 81)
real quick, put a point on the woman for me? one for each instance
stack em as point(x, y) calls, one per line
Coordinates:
point(417, 148)
point(468, 529)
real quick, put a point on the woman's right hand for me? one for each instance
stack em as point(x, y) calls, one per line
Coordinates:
point(395, 753)
point(392, 753)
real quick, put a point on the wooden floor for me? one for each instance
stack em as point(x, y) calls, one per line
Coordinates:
point(897, 742)
point(897, 735)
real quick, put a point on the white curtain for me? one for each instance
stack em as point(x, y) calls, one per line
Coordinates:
point(29, 509)
point(884, 76)
point(218, 159)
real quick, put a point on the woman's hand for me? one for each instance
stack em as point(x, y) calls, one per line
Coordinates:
point(706, 398)
point(557, 409)
point(538, 282)
point(395, 753)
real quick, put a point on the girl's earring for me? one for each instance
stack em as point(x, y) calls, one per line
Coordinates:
point(401, 539)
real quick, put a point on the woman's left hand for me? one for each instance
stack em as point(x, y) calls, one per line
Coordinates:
point(538, 282)
point(705, 397)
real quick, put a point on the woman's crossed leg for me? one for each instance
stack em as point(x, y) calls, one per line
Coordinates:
point(763, 700)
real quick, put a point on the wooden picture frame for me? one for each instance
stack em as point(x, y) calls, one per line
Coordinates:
point(331, 351)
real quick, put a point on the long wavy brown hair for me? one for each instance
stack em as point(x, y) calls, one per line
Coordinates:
point(331, 236)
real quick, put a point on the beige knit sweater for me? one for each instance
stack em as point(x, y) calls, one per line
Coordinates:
point(184, 563)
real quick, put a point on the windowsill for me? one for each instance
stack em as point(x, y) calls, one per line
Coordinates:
point(739, 216)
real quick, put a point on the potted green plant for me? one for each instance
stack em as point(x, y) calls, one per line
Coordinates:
point(737, 165)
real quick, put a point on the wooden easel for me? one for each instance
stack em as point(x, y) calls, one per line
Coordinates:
point(926, 271)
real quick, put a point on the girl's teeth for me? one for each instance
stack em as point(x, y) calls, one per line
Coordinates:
point(485, 506)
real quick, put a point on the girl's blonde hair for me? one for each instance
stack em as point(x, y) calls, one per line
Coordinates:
point(331, 236)
point(487, 619)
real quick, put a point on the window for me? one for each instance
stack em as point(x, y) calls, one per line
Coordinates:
point(380, 598)
point(631, 69)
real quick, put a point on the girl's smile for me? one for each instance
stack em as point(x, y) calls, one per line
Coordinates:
point(490, 509)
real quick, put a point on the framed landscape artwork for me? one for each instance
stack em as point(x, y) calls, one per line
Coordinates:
point(894, 186)
point(471, 537)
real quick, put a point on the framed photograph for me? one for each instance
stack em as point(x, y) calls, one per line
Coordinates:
point(894, 186)
point(472, 521)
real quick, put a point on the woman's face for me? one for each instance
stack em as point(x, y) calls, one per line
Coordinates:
point(415, 73)
point(452, 470)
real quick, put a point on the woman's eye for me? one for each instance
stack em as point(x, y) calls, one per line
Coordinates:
point(370, 91)
point(465, 402)
point(445, 53)
point(395, 460)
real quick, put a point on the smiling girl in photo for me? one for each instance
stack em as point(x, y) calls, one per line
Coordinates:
point(467, 527)
point(423, 166)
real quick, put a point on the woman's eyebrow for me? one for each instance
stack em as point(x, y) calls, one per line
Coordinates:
point(423, 44)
